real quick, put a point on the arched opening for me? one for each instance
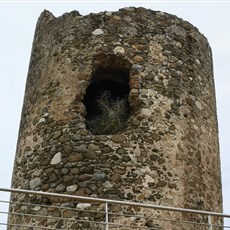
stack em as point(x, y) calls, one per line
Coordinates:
point(106, 101)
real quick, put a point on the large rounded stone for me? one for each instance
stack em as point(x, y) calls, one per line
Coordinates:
point(118, 138)
point(60, 188)
point(35, 183)
point(91, 155)
point(99, 175)
point(68, 149)
point(56, 159)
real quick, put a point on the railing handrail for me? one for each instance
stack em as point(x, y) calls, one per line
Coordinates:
point(102, 200)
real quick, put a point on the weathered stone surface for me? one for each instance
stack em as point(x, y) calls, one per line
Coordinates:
point(75, 157)
point(146, 112)
point(87, 170)
point(118, 138)
point(99, 175)
point(106, 149)
point(35, 183)
point(76, 137)
point(56, 159)
point(71, 188)
point(68, 213)
point(98, 32)
point(116, 177)
point(57, 134)
point(119, 49)
point(68, 178)
point(42, 212)
point(84, 177)
point(138, 58)
point(64, 138)
point(167, 151)
point(60, 188)
point(81, 149)
point(93, 147)
point(64, 171)
point(91, 155)
point(68, 149)
point(53, 178)
point(119, 171)
point(83, 205)
point(56, 213)
point(75, 171)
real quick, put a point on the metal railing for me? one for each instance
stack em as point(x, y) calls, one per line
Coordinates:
point(92, 213)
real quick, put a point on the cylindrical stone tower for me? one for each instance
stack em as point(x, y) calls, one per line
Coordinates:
point(120, 105)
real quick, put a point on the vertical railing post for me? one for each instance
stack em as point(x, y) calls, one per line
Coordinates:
point(106, 216)
point(209, 222)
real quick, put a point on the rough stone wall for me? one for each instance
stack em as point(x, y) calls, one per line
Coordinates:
point(167, 155)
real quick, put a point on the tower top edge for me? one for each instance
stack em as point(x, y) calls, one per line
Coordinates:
point(47, 15)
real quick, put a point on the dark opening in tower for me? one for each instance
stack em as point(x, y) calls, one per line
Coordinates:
point(106, 101)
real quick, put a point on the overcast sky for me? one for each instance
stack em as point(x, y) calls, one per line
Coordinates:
point(17, 25)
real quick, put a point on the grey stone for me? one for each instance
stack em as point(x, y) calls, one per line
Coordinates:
point(99, 175)
point(41, 120)
point(35, 183)
point(146, 112)
point(42, 212)
point(81, 149)
point(199, 105)
point(98, 32)
point(106, 149)
point(120, 151)
point(76, 137)
point(56, 159)
point(83, 205)
point(64, 171)
point(119, 50)
point(53, 178)
point(60, 188)
point(71, 188)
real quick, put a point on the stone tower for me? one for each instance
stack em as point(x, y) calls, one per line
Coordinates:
point(158, 69)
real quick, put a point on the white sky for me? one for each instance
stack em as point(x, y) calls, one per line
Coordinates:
point(17, 25)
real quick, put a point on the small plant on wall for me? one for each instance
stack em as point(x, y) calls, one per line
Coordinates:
point(112, 115)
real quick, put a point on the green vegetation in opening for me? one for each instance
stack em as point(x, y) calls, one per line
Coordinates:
point(112, 116)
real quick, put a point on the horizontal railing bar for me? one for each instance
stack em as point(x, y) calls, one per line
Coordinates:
point(126, 225)
point(34, 226)
point(145, 217)
point(115, 202)
point(23, 225)
point(162, 219)
point(50, 206)
point(48, 217)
